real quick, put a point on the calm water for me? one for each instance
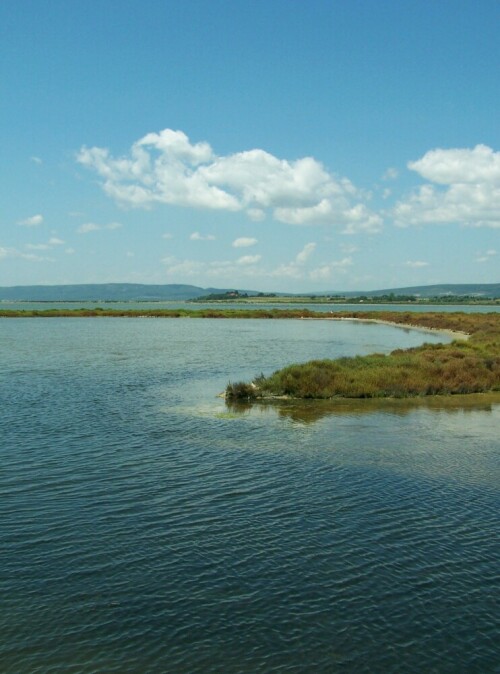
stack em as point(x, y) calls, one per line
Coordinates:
point(145, 527)
point(40, 306)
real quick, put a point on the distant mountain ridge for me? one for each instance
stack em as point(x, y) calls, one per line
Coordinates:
point(459, 289)
point(110, 292)
point(129, 292)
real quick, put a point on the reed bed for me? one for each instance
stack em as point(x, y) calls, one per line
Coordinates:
point(461, 367)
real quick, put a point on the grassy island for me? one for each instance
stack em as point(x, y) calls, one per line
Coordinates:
point(469, 364)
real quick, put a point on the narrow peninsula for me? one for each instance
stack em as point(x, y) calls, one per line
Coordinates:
point(469, 364)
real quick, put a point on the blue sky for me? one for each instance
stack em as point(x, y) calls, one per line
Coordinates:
point(261, 144)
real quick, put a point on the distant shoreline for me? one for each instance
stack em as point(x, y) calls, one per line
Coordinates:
point(458, 334)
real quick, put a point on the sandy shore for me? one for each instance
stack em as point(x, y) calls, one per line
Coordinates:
point(405, 326)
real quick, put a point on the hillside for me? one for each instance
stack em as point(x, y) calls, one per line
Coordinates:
point(124, 292)
point(111, 292)
point(460, 289)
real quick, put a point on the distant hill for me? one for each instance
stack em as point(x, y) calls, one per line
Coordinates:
point(111, 292)
point(125, 292)
point(450, 289)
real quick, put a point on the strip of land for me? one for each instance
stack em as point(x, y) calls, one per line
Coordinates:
point(469, 364)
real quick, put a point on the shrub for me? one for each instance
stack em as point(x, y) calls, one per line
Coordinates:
point(241, 391)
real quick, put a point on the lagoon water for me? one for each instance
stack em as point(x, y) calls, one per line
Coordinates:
point(172, 304)
point(147, 528)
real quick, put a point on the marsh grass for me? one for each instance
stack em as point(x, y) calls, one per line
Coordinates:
point(471, 366)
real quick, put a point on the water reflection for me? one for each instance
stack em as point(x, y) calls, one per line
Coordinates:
point(310, 411)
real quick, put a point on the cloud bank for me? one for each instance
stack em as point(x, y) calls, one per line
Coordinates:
point(464, 189)
point(167, 168)
point(32, 221)
point(462, 185)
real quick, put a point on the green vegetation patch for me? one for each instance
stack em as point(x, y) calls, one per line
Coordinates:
point(471, 366)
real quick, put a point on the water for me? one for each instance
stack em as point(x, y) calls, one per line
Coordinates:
point(146, 527)
point(40, 306)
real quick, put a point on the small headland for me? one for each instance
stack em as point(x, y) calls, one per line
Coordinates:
point(469, 364)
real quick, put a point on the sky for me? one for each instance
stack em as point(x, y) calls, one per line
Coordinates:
point(269, 145)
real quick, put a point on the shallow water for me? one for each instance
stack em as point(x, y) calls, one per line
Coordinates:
point(40, 306)
point(147, 527)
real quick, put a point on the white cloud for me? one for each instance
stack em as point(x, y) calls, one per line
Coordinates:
point(305, 253)
point(14, 253)
point(53, 241)
point(248, 266)
point(416, 264)
point(196, 236)
point(32, 221)
point(391, 174)
point(343, 263)
point(36, 160)
point(167, 235)
point(296, 269)
point(88, 227)
point(244, 242)
point(249, 259)
point(348, 248)
point(321, 273)
point(70, 251)
point(37, 246)
point(167, 168)
point(466, 189)
point(93, 227)
point(256, 214)
point(446, 167)
point(326, 271)
point(487, 256)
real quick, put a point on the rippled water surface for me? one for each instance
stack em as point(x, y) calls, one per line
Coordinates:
point(146, 527)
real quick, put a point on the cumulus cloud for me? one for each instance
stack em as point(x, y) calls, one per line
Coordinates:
point(88, 227)
point(196, 236)
point(14, 253)
point(32, 221)
point(244, 242)
point(167, 168)
point(248, 266)
point(487, 256)
point(464, 189)
point(53, 241)
point(37, 246)
point(416, 264)
point(305, 253)
point(249, 259)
